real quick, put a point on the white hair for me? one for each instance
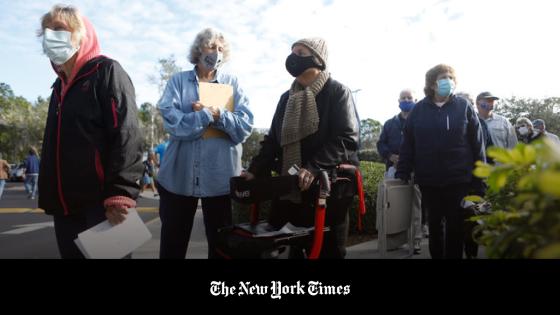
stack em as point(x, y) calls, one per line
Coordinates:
point(206, 38)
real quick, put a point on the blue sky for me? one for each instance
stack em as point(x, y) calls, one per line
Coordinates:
point(377, 47)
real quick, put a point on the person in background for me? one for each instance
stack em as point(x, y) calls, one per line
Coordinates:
point(442, 142)
point(91, 160)
point(4, 174)
point(196, 167)
point(540, 126)
point(31, 163)
point(500, 129)
point(525, 131)
point(159, 151)
point(388, 147)
point(148, 174)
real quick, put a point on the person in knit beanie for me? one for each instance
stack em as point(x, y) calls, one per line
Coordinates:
point(315, 128)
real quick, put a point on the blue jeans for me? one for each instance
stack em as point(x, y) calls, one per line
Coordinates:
point(2, 183)
point(31, 184)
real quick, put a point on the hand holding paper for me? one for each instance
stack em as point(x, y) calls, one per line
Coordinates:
point(107, 241)
point(216, 97)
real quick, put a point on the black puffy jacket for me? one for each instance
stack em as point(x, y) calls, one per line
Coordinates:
point(92, 143)
point(334, 143)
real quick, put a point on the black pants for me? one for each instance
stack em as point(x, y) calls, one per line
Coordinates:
point(444, 203)
point(334, 242)
point(67, 229)
point(177, 215)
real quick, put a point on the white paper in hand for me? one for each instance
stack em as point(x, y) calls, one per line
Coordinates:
point(107, 241)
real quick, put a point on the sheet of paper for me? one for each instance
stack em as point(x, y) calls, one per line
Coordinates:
point(107, 241)
point(214, 94)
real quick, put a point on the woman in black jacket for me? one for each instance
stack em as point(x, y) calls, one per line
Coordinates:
point(442, 141)
point(315, 127)
point(91, 158)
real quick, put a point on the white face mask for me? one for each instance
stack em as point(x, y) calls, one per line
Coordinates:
point(57, 45)
point(523, 131)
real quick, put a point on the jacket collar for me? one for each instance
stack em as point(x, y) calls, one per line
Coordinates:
point(88, 66)
point(192, 77)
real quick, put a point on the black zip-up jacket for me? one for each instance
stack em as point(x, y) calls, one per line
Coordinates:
point(92, 144)
point(335, 142)
point(441, 145)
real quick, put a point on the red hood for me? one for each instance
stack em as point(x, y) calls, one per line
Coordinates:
point(89, 49)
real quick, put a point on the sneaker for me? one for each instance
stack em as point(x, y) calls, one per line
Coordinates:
point(155, 195)
point(417, 247)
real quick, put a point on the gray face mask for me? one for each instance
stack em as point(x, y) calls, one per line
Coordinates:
point(212, 61)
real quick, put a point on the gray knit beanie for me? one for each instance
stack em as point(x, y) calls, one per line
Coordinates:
point(318, 47)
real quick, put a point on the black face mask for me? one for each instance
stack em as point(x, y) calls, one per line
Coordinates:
point(296, 65)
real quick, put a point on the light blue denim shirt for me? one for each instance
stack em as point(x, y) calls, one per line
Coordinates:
point(192, 166)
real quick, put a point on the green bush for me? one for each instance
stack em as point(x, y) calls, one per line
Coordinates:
point(524, 190)
point(372, 173)
point(370, 155)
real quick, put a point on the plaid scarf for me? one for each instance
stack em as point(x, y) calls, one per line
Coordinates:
point(301, 119)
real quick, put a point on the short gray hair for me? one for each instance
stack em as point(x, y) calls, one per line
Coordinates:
point(205, 38)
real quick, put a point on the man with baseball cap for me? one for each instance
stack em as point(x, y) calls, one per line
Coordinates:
point(500, 129)
point(540, 126)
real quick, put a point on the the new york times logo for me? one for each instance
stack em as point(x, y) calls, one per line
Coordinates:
point(277, 289)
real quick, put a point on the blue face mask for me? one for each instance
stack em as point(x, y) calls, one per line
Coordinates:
point(406, 106)
point(486, 106)
point(445, 87)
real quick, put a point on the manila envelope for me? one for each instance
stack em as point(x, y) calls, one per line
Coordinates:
point(220, 95)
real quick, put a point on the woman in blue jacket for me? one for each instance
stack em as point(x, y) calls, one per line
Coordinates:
point(197, 166)
point(442, 141)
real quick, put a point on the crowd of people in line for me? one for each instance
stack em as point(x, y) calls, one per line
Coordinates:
point(92, 167)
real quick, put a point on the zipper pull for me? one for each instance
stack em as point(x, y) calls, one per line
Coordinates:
point(447, 122)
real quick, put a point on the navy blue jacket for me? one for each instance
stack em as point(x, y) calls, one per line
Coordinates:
point(391, 138)
point(31, 164)
point(441, 145)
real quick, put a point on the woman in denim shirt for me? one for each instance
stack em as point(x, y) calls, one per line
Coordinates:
point(198, 167)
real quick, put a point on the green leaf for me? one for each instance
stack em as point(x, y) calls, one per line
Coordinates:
point(482, 170)
point(530, 154)
point(527, 182)
point(498, 179)
point(500, 155)
point(549, 182)
point(474, 198)
point(549, 252)
point(516, 154)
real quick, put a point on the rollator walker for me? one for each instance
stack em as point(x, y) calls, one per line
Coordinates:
point(257, 239)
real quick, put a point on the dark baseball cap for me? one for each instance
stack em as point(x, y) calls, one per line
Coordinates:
point(538, 122)
point(486, 96)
